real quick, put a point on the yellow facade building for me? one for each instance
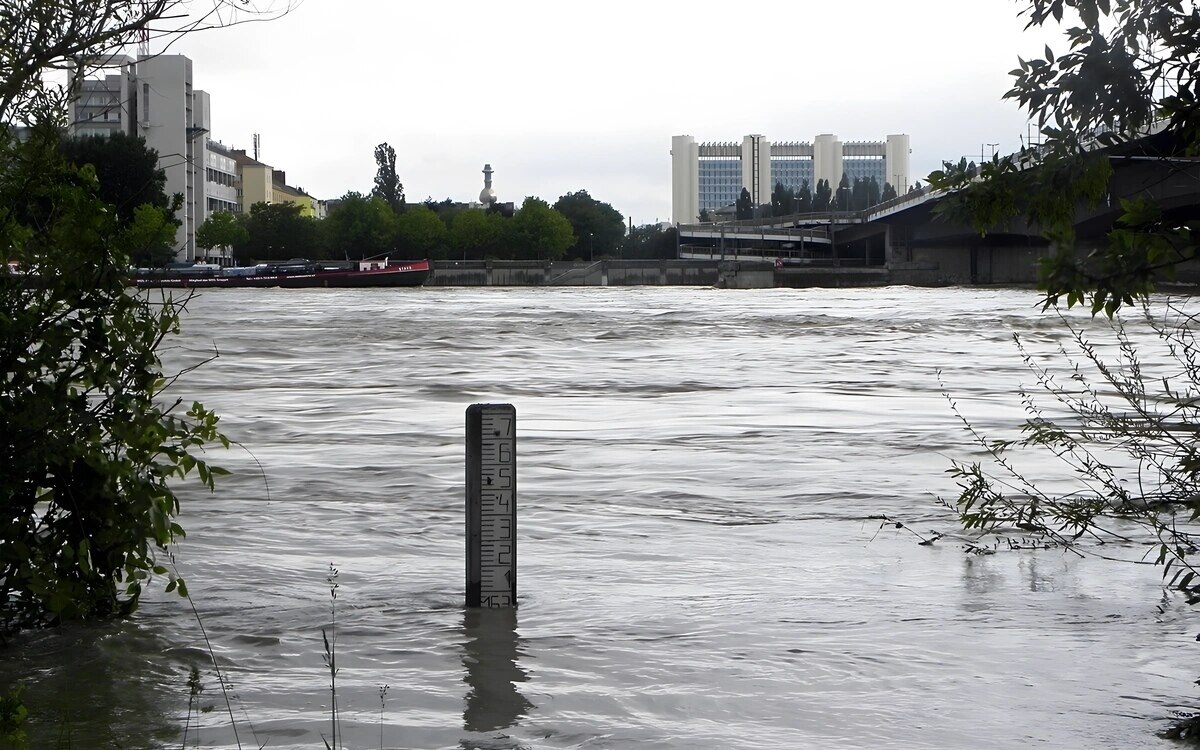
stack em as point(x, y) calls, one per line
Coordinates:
point(285, 193)
point(256, 181)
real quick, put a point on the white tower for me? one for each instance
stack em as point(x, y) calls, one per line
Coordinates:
point(487, 196)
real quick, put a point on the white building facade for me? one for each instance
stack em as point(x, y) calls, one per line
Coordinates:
point(154, 98)
point(220, 179)
point(709, 176)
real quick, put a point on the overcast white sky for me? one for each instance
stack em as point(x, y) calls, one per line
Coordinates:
point(559, 96)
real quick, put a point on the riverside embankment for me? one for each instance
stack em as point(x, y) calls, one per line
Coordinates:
point(733, 274)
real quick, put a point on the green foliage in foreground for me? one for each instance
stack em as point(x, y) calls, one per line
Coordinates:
point(1122, 420)
point(1125, 431)
point(1131, 68)
point(87, 450)
point(12, 720)
point(131, 181)
point(1125, 428)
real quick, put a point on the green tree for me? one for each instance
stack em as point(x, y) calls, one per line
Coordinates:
point(87, 450)
point(842, 198)
point(704, 217)
point(360, 227)
point(538, 231)
point(874, 194)
point(745, 206)
point(222, 229)
point(420, 234)
point(823, 198)
point(1128, 65)
point(446, 209)
point(150, 237)
point(387, 182)
point(474, 235)
point(127, 171)
point(889, 192)
point(804, 199)
point(783, 200)
point(90, 447)
point(1124, 424)
point(651, 242)
point(858, 194)
point(278, 231)
point(131, 181)
point(599, 228)
point(49, 35)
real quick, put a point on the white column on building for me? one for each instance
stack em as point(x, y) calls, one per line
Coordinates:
point(164, 116)
point(201, 126)
point(756, 168)
point(896, 158)
point(827, 160)
point(764, 172)
point(685, 180)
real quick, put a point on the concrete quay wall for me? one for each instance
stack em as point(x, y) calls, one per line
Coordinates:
point(728, 274)
point(602, 273)
point(941, 266)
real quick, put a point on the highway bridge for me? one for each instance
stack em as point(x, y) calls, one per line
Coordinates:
point(901, 240)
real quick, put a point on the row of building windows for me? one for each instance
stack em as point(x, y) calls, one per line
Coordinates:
point(865, 169)
point(720, 182)
point(720, 179)
point(216, 204)
point(792, 173)
point(713, 197)
point(219, 178)
point(103, 115)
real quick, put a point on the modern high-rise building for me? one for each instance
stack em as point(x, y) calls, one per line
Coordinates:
point(710, 176)
point(153, 97)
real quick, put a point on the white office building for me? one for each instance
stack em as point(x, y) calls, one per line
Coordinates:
point(153, 98)
point(710, 176)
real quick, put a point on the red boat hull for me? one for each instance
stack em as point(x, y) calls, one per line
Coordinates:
point(414, 273)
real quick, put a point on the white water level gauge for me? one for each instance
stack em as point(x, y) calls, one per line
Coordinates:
point(491, 505)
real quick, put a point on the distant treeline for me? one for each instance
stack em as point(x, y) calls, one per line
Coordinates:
point(365, 226)
point(359, 225)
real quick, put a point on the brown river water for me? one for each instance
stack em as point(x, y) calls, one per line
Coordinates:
point(698, 563)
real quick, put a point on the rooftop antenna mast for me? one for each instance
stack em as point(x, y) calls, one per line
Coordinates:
point(257, 139)
point(143, 34)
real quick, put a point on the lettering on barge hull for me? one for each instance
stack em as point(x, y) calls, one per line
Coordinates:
point(491, 505)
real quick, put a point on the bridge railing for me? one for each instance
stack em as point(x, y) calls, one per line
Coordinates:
point(911, 198)
point(794, 258)
point(1026, 158)
point(821, 217)
point(719, 229)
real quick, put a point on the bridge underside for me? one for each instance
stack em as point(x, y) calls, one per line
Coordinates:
point(913, 246)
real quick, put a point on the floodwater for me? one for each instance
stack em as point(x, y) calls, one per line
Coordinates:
point(701, 562)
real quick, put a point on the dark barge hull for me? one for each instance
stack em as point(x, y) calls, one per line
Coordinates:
point(415, 273)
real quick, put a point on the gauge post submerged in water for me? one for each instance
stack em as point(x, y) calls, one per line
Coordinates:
point(491, 505)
